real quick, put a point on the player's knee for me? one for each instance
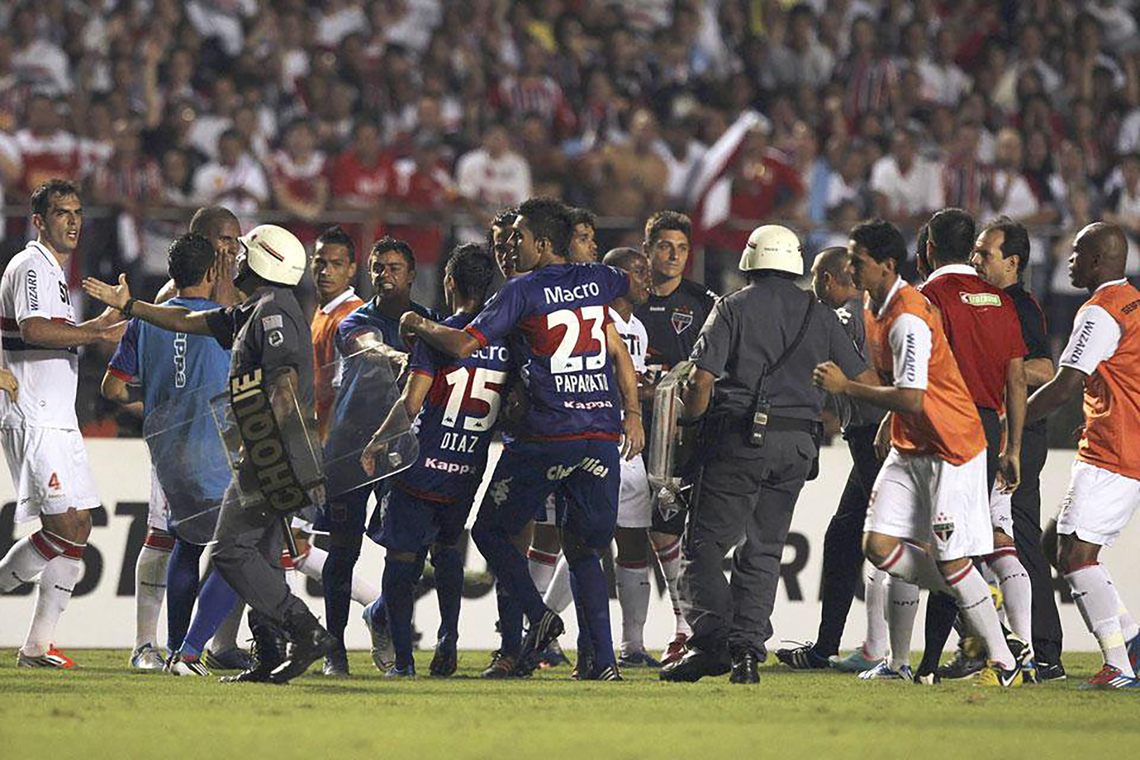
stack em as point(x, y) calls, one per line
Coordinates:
point(1002, 539)
point(546, 538)
point(632, 547)
point(877, 548)
point(1073, 554)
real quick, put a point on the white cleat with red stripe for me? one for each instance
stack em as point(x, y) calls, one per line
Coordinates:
point(52, 658)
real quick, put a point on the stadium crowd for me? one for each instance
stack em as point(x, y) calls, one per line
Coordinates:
point(395, 116)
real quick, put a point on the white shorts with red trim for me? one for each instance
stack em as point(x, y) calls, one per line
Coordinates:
point(1001, 511)
point(1098, 505)
point(159, 516)
point(50, 471)
point(928, 499)
point(635, 507)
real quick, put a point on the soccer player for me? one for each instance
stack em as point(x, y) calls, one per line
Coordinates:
point(38, 427)
point(1103, 356)
point(673, 316)
point(557, 318)
point(427, 505)
point(167, 365)
point(392, 268)
point(932, 486)
point(1001, 254)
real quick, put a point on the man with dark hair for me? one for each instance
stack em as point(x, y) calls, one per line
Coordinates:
point(583, 246)
point(39, 430)
point(427, 505)
point(1000, 256)
point(842, 544)
point(572, 421)
point(168, 366)
point(928, 517)
point(673, 316)
point(981, 326)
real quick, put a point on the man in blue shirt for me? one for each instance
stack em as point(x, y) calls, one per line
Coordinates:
point(170, 366)
point(559, 330)
point(392, 268)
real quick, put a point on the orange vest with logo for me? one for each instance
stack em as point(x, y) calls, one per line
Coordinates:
point(948, 426)
point(324, 353)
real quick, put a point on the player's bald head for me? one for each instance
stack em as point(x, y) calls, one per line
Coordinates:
point(1109, 244)
point(622, 258)
point(834, 261)
point(208, 218)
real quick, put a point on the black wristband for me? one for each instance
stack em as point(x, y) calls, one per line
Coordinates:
point(128, 306)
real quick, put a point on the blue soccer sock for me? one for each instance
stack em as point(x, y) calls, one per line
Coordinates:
point(592, 599)
point(214, 605)
point(448, 565)
point(336, 580)
point(510, 621)
point(399, 593)
point(181, 591)
point(511, 569)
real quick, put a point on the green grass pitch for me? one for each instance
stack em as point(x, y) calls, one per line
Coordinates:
point(103, 710)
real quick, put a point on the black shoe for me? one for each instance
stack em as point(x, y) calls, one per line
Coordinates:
point(696, 664)
point(228, 659)
point(803, 657)
point(548, 628)
point(267, 652)
point(744, 666)
point(608, 673)
point(310, 643)
point(445, 662)
point(584, 666)
point(336, 664)
point(1050, 671)
point(502, 666)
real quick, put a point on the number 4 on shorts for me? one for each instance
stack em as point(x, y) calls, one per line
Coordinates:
point(53, 482)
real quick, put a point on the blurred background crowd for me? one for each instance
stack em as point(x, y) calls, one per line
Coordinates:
point(421, 118)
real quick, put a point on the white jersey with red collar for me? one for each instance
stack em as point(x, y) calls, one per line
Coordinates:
point(34, 285)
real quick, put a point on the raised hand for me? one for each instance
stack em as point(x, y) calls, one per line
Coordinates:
point(112, 295)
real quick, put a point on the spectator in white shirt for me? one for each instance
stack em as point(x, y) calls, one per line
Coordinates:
point(235, 180)
point(907, 187)
point(494, 176)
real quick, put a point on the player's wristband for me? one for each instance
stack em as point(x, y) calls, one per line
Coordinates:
point(128, 306)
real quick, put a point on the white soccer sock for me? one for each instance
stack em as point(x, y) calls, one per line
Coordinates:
point(150, 589)
point(669, 557)
point(632, 581)
point(27, 558)
point(875, 644)
point(542, 565)
point(558, 595)
point(1128, 626)
point(1099, 604)
point(1016, 590)
point(972, 593)
point(56, 584)
point(225, 637)
point(902, 608)
point(913, 564)
point(312, 562)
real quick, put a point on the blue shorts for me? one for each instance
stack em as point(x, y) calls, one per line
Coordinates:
point(585, 474)
point(409, 523)
point(348, 513)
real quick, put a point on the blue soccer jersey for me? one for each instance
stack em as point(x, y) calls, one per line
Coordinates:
point(455, 425)
point(369, 318)
point(556, 321)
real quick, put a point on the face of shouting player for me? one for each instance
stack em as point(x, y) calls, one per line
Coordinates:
point(60, 227)
point(392, 278)
point(223, 235)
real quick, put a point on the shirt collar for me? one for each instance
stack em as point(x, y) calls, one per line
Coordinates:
point(952, 269)
point(899, 282)
point(46, 253)
point(332, 305)
point(1109, 284)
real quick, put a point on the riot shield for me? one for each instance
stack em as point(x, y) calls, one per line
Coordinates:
point(367, 397)
point(670, 444)
point(189, 462)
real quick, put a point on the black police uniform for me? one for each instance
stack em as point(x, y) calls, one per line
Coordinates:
point(1026, 502)
point(267, 331)
point(746, 493)
point(672, 323)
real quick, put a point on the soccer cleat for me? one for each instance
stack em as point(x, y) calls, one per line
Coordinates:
point(803, 657)
point(993, 674)
point(1029, 673)
point(884, 672)
point(336, 664)
point(744, 668)
point(502, 666)
point(405, 671)
point(584, 666)
point(52, 658)
point(608, 673)
point(540, 635)
point(927, 678)
point(383, 651)
point(311, 642)
point(1110, 678)
point(637, 659)
point(676, 650)
point(967, 660)
point(186, 665)
point(856, 662)
point(695, 665)
point(233, 658)
point(147, 658)
point(553, 656)
point(1133, 645)
point(445, 662)
point(1047, 671)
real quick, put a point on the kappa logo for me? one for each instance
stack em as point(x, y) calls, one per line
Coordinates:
point(500, 490)
point(943, 527)
point(681, 320)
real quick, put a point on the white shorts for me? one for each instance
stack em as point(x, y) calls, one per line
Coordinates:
point(1001, 511)
point(159, 517)
point(1098, 505)
point(551, 517)
point(927, 499)
point(635, 507)
point(49, 470)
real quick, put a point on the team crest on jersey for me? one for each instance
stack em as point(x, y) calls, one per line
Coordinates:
point(681, 320)
point(943, 527)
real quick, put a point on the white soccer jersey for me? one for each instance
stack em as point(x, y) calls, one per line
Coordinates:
point(34, 286)
point(635, 337)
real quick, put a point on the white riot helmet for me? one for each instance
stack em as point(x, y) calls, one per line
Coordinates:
point(773, 247)
point(275, 254)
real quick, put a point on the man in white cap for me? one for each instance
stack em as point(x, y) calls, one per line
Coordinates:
point(759, 443)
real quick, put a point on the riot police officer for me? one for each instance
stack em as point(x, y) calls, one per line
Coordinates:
point(759, 443)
